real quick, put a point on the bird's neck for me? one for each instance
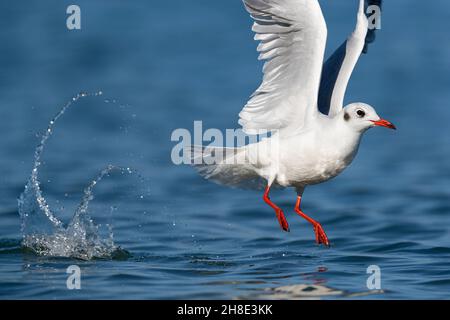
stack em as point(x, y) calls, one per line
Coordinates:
point(343, 135)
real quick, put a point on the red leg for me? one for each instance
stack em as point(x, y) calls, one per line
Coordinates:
point(280, 215)
point(321, 237)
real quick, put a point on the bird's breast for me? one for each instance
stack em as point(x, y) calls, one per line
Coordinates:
point(311, 162)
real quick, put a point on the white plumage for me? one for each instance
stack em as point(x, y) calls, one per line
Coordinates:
point(306, 147)
point(293, 35)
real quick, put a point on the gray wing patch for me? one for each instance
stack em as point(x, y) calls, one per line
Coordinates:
point(330, 74)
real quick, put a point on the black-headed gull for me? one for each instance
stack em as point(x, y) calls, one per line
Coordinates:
point(300, 101)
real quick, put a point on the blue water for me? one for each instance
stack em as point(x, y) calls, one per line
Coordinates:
point(162, 65)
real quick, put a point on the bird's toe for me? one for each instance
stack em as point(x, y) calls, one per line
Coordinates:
point(282, 220)
point(321, 236)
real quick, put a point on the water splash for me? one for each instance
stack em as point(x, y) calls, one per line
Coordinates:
point(44, 233)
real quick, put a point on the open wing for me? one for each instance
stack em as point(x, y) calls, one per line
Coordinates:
point(339, 67)
point(292, 35)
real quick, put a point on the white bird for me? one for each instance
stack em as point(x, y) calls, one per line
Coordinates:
point(300, 101)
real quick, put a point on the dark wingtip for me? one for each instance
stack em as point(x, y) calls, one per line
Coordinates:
point(371, 36)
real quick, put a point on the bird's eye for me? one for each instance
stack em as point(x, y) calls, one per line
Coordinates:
point(360, 113)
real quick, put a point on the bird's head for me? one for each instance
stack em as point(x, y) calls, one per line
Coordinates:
point(361, 117)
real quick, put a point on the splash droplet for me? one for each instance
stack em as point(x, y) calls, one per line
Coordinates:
point(44, 233)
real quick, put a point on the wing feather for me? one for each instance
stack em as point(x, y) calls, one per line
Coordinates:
point(292, 35)
point(339, 67)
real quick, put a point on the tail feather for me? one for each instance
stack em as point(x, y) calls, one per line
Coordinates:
point(225, 166)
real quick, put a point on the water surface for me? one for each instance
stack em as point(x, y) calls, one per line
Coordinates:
point(160, 66)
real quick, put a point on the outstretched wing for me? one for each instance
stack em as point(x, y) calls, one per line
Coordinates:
point(292, 35)
point(339, 67)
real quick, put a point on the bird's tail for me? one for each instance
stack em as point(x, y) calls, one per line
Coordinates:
point(225, 166)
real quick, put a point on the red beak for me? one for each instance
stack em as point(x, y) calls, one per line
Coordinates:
point(384, 123)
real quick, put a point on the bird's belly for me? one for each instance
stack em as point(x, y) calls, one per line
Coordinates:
point(304, 171)
point(324, 171)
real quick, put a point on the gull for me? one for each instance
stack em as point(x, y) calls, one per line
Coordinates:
point(300, 102)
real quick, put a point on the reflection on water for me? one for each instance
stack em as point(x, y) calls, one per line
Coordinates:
point(307, 292)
